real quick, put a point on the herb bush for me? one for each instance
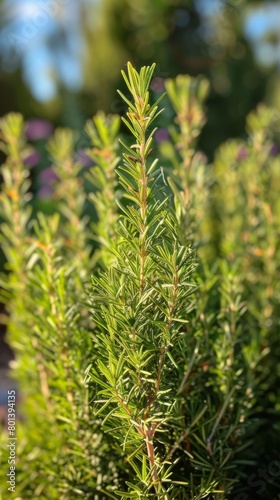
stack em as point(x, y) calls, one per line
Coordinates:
point(158, 378)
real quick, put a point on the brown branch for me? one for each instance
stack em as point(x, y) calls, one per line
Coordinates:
point(151, 451)
point(148, 434)
point(128, 411)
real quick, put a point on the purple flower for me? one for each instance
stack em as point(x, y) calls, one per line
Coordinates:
point(32, 159)
point(162, 135)
point(38, 129)
point(157, 84)
point(83, 158)
point(45, 193)
point(47, 177)
point(242, 153)
point(274, 150)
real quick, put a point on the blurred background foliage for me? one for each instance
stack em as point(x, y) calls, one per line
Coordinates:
point(61, 59)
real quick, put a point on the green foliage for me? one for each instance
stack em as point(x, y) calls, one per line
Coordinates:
point(140, 307)
point(69, 195)
point(188, 175)
point(157, 381)
point(103, 132)
point(45, 294)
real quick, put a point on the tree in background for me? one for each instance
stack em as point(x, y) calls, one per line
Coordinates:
point(79, 49)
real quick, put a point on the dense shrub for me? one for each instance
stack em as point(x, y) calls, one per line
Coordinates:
point(158, 379)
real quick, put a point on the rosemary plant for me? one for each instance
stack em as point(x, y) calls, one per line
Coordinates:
point(69, 193)
point(14, 199)
point(103, 133)
point(247, 225)
point(48, 327)
point(140, 307)
point(188, 175)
